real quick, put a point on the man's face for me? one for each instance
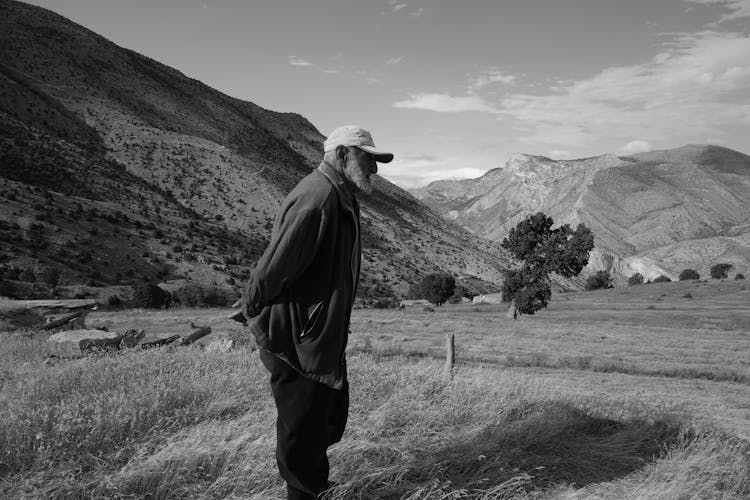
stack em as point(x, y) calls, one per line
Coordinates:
point(360, 165)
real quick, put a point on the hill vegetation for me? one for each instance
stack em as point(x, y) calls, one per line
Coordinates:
point(115, 168)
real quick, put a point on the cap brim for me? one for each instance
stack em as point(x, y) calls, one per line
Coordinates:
point(380, 156)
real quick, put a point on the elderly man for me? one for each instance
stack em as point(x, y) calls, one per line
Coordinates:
point(301, 295)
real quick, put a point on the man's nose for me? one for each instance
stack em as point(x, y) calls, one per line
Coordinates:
point(374, 167)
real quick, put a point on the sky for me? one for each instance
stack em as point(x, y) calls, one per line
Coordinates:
point(455, 88)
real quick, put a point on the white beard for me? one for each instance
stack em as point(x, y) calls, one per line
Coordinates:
point(360, 179)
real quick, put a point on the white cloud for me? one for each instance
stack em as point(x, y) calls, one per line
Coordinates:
point(296, 61)
point(490, 76)
point(739, 9)
point(417, 13)
point(444, 103)
point(331, 71)
point(691, 90)
point(636, 146)
point(394, 60)
point(411, 170)
point(399, 6)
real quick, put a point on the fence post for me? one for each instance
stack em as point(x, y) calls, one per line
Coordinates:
point(450, 356)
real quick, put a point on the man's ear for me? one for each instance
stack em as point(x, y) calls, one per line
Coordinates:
point(341, 152)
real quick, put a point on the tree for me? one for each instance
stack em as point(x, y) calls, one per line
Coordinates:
point(739, 276)
point(720, 270)
point(542, 250)
point(636, 279)
point(662, 279)
point(689, 274)
point(435, 287)
point(598, 281)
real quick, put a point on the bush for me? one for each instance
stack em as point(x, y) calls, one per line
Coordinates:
point(198, 296)
point(6, 290)
point(436, 287)
point(636, 279)
point(114, 301)
point(458, 295)
point(739, 276)
point(689, 274)
point(150, 296)
point(598, 281)
point(11, 273)
point(720, 270)
point(27, 275)
point(662, 279)
point(50, 276)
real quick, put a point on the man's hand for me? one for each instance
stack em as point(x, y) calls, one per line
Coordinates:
point(238, 316)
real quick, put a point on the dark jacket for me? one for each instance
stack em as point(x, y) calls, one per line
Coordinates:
point(302, 289)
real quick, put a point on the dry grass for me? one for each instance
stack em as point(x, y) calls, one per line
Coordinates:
point(181, 423)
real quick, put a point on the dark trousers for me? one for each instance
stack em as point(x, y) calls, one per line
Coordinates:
point(310, 417)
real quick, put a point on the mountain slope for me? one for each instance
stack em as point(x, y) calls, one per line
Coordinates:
point(134, 171)
point(654, 213)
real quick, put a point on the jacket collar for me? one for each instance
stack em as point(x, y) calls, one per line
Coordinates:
point(337, 179)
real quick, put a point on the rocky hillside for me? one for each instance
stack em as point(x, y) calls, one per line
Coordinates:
point(116, 168)
point(655, 213)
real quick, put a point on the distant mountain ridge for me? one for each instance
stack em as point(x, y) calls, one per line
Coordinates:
point(654, 213)
point(174, 178)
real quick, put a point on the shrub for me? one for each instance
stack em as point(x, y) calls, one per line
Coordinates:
point(458, 295)
point(27, 275)
point(11, 273)
point(194, 295)
point(636, 279)
point(150, 296)
point(114, 301)
point(720, 270)
point(662, 279)
point(689, 274)
point(50, 276)
point(598, 281)
point(6, 290)
point(739, 276)
point(435, 287)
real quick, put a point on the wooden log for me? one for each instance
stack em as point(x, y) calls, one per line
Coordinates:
point(159, 342)
point(64, 319)
point(76, 343)
point(196, 334)
point(450, 356)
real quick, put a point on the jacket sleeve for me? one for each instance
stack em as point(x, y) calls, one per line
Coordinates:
point(293, 247)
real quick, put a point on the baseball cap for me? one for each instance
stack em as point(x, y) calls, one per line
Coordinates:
point(352, 135)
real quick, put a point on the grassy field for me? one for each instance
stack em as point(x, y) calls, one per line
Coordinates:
point(640, 392)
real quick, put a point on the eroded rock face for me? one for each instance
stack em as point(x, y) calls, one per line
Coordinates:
point(654, 213)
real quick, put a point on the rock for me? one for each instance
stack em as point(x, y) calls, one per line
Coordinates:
point(223, 345)
point(490, 298)
point(74, 343)
point(44, 314)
